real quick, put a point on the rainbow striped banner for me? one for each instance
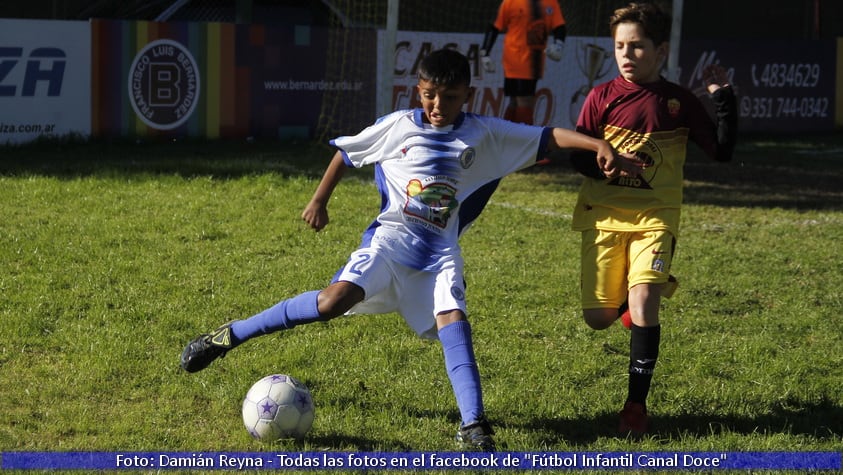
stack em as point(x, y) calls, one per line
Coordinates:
point(216, 80)
point(216, 108)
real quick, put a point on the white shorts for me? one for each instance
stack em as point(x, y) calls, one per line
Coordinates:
point(392, 287)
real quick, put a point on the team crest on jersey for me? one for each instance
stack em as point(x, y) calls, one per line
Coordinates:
point(673, 107)
point(467, 157)
point(641, 149)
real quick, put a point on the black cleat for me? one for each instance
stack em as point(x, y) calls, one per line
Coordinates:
point(204, 349)
point(476, 436)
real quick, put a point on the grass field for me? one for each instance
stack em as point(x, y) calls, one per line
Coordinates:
point(114, 255)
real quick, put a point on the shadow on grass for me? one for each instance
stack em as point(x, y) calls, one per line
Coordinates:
point(353, 403)
point(189, 158)
point(803, 173)
point(822, 421)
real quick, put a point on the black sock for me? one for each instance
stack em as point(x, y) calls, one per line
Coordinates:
point(643, 353)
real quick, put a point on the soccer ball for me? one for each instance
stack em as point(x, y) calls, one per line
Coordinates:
point(278, 407)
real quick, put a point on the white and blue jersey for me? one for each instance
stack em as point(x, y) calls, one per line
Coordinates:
point(425, 175)
point(428, 179)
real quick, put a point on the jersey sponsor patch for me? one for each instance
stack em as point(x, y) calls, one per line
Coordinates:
point(432, 203)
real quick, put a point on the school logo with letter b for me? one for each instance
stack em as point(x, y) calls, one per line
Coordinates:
point(164, 84)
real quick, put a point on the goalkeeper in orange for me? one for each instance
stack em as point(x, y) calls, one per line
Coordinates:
point(528, 26)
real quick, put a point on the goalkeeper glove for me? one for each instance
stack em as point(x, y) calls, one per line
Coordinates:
point(486, 62)
point(554, 50)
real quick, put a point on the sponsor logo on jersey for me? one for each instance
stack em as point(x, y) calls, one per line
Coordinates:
point(432, 203)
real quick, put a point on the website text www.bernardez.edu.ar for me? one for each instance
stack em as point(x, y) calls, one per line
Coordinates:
point(321, 85)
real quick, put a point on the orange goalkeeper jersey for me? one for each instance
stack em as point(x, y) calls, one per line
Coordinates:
point(527, 24)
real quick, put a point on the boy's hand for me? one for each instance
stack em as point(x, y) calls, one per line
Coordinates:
point(315, 215)
point(613, 164)
point(630, 164)
point(555, 49)
point(714, 77)
point(486, 62)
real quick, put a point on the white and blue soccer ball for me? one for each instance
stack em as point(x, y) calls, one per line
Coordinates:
point(278, 407)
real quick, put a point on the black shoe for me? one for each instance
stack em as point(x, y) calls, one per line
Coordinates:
point(476, 436)
point(204, 349)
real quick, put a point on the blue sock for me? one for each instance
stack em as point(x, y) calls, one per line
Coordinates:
point(462, 369)
point(283, 316)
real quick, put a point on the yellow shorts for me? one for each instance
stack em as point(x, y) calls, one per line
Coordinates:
point(613, 262)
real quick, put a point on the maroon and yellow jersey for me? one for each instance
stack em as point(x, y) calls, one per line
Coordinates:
point(527, 24)
point(653, 122)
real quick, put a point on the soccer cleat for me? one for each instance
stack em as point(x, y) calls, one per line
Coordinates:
point(204, 349)
point(633, 419)
point(476, 436)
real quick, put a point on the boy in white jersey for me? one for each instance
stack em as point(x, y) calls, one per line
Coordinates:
point(428, 162)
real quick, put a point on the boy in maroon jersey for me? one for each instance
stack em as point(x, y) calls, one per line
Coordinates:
point(629, 225)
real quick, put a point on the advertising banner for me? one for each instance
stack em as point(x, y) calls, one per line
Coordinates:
point(166, 79)
point(559, 94)
point(110, 78)
point(782, 85)
point(285, 67)
point(45, 79)
point(209, 80)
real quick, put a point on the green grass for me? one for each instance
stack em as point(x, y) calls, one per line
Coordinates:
point(114, 255)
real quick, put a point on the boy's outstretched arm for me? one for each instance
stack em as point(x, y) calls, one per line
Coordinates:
point(608, 162)
point(315, 213)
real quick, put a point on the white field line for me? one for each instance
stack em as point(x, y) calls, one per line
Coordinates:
point(825, 220)
point(530, 209)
